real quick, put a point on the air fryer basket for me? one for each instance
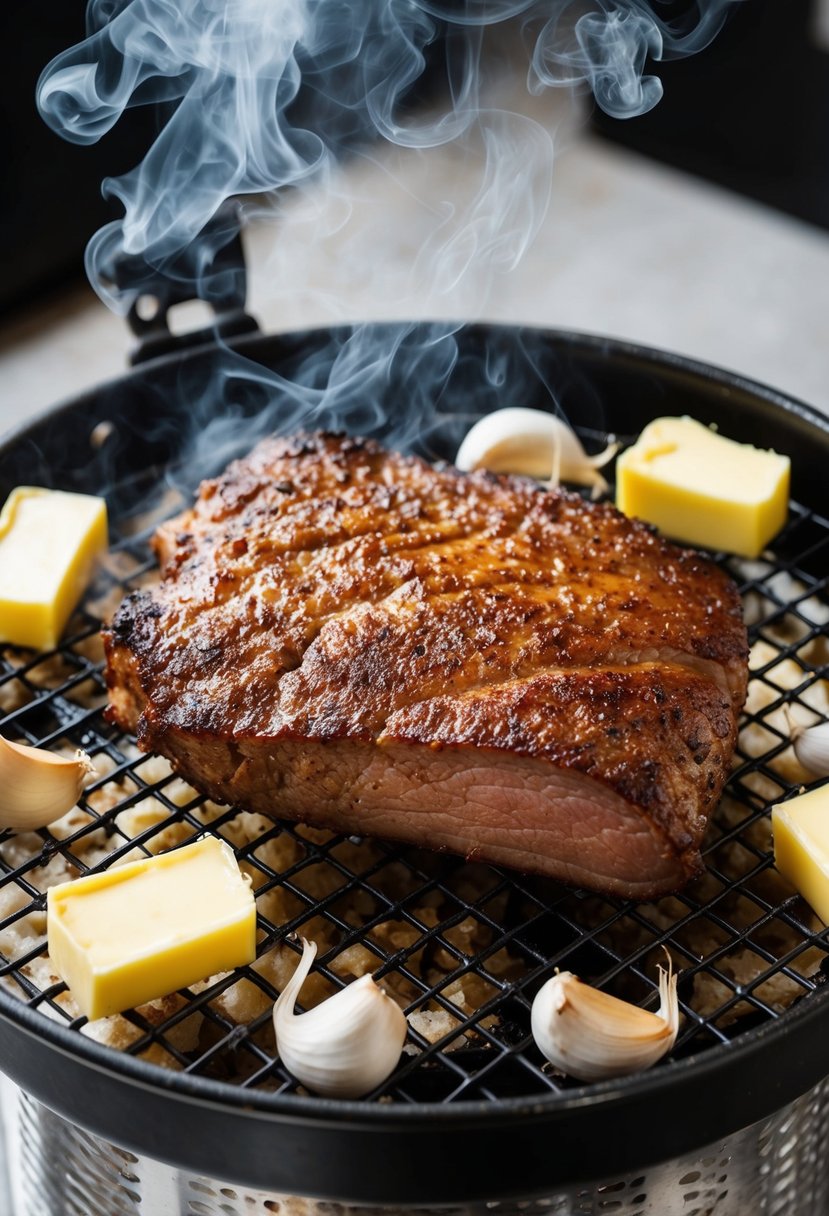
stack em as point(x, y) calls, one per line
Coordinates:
point(474, 1115)
point(775, 1167)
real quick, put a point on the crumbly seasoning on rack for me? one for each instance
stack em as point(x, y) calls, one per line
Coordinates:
point(248, 1000)
point(462, 948)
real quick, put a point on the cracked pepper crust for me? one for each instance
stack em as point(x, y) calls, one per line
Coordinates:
point(361, 640)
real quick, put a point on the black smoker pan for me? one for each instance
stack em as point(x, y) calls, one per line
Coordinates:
point(487, 1121)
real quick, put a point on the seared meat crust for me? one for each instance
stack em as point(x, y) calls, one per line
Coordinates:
point(485, 663)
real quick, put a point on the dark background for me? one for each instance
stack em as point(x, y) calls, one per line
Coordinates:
point(751, 112)
point(51, 199)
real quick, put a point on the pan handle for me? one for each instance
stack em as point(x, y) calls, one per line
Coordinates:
point(212, 269)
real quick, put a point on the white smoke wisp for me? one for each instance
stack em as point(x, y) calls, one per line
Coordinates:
point(262, 94)
point(606, 45)
point(260, 100)
point(229, 70)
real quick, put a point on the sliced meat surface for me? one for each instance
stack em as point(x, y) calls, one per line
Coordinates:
point(354, 638)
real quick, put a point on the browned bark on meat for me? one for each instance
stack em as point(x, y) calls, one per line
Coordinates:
point(357, 639)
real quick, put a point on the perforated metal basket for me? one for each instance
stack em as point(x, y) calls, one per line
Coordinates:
point(776, 1167)
point(472, 1116)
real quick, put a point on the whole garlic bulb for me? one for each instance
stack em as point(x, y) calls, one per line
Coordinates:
point(348, 1044)
point(592, 1036)
point(36, 786)
point(534, 444)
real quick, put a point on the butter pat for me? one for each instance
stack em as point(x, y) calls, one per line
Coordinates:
point(49, 541)
point(698, 487)
point(801, 846)
point(147, 928)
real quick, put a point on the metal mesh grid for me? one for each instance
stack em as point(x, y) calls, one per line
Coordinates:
point(464, 947)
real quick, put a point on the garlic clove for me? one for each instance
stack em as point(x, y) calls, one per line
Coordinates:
point(811, 745)
point(36, 786)
point(592, 1036)
point(534, 444)
point(348, 1044)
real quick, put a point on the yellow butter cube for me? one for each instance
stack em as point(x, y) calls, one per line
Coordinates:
point(698, 487)
point(801, 846)
point(145, 929)
point(49, 542)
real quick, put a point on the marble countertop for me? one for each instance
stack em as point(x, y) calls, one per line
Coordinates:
point(627, 248)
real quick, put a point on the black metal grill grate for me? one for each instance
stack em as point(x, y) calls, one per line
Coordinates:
point(465, 947)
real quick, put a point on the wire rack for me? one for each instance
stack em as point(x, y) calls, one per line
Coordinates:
point(463, 947)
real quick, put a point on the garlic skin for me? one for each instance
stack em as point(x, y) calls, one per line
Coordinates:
point(37, 787)
point(347, 1045)
point(811, 746)
point(593, 1036)
point(534, 444)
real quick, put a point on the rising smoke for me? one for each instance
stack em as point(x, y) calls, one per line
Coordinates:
point(261, 98)
point(231, 72)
